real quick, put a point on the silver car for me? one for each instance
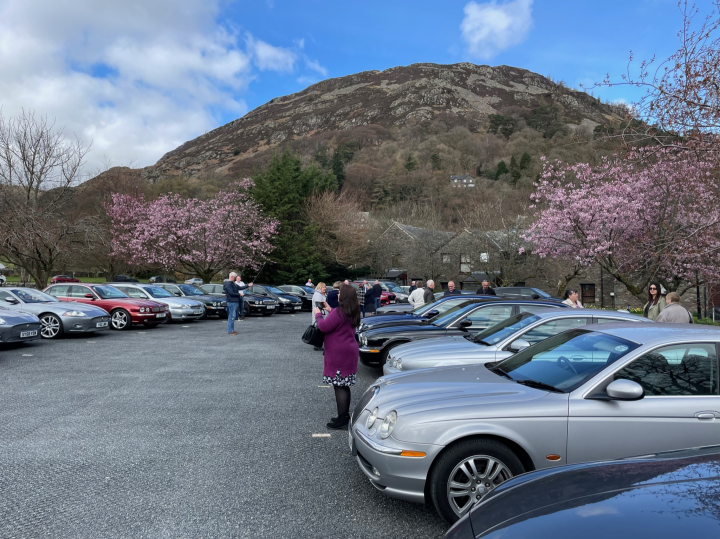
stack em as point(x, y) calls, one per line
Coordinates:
point(179, 309)
point(602, 392)
point(499, 341)
point(56, 317)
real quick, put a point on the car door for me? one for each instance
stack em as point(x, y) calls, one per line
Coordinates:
point(59, 291)
point(77, 293)
point(680, 409)
point(482, 318)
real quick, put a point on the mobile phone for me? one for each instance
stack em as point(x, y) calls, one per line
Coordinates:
point(320, 305)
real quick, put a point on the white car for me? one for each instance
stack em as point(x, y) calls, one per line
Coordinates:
point(197, 281)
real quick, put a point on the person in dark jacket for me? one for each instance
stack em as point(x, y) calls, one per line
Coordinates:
point(332, 296)
point(452, 291)
point(428, 295)
point(361, 298)
point(377, 293)
point(232, 297)
point(369, 298)
point(413, 287)
point(485, 290)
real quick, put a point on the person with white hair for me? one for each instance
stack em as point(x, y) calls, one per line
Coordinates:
point(416, 297)
point(428, 294)
point(232, 297)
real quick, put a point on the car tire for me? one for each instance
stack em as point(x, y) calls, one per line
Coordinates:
point(485, 457)
point(52, 327)
point(120, 320)
point(168, 318)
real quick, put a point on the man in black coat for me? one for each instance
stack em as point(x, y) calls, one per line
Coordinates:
point(452, 291)
point(486, 290)
point(377, 293)
point(369, 297)
point(413, 287)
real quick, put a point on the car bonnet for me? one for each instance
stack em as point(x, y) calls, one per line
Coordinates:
point(442, 347)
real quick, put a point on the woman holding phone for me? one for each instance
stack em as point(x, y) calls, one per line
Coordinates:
point(341, 350)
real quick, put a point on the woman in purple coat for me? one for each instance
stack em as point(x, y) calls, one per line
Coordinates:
point(341, 350)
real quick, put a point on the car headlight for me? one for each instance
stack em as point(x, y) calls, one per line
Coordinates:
point(141, 309)
point(398, 364)
point(185, 306)
point(2, 322)
point(388, 424)
point(74, 313)
point(283, 300)
point(371, 418)
point(363, 340)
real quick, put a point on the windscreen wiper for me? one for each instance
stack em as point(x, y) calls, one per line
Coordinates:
point(480, 341)
point(540, 385)
point(501, 372)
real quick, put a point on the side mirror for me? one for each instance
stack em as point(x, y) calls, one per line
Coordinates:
point(536, 296)
point(465, 323)
point(625, 390)
point(12, 301)
point(178, 294)
point(519, 344)
point(431, 313)
point(89, 296)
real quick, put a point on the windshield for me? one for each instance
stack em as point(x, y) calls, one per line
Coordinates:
point(439, 305)
point(157, 292)
point(309, 289)
point(504, 329)
point(394, 288)
point(33, 296)
point(568, 360)
point(274, 290)
point(541, 293)
point(108, 292)
point(190, 290)
point(449, 315)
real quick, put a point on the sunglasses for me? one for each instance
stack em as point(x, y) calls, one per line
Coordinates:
point(653, 288)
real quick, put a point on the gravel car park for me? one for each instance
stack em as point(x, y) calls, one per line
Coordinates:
point(609, 392)
point(57, 317)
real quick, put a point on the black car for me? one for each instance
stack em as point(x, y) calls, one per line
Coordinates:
point(124, 279)
point(214, 305)
point(523, 292)
point(663, 496)
point(467, 318)
point(252, 303)
point(286, 302)
point(304, 293)
point(18, 326)
point(162, 279)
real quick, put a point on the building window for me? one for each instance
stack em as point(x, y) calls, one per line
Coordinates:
point(465, 266)
point(587, 293)
point(484, 258)
point(446, 258)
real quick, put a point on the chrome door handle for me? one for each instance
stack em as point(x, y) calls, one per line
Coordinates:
point(705, 415)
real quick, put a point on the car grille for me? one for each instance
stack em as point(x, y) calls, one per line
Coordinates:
point(157, 309)
point(269, 301)
point(364, 401)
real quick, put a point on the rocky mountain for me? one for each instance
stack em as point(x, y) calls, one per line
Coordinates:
point(394, 98)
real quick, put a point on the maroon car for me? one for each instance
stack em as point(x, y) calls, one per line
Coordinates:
point(387, 297)
point(124, 311)
point(63, 279)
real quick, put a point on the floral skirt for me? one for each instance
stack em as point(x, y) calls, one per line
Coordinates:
point(339, 380)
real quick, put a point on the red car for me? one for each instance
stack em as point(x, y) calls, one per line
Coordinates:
point(387, 297)
point(124, 311)
point(63, 279)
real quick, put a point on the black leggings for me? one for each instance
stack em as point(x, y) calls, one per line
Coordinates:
point(342, 397)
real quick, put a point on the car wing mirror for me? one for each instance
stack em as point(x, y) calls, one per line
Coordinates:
point(178, 294)
point(536, 296)
point(12, 301)
point(625, 390)
point(518, 344)
point(465, 324)
point(434, 312)
point(89, 296)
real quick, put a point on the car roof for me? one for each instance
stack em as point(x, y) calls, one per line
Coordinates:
point(648, 333)
point(547, 312)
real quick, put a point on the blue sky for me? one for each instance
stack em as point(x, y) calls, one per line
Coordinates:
point(139, 78)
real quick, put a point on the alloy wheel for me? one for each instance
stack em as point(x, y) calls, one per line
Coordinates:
point(51, 326)
point(119, 320)
point(472, 479)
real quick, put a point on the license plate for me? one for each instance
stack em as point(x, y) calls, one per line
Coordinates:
point(28, 333)
point(392, 301)
point(270, 306)
point(160, 315)
point(199, 311)
point(101, 325)
point(296, 307)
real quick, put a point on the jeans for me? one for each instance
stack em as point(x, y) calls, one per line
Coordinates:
point(241, 308)
point(232, 309)
point(362, 310)
point(377, 304)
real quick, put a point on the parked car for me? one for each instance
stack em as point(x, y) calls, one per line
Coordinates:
point(18, 326)
point(214, 305)
point(124, 279)
point(463, 319)
point(124, 311)
point(606, 392)
point(304, 293)
point(179, 309)
point(162, 279)
point(499, 341)
point(400, 295)
point(63, 279)
point(56, 317)
point(387, 297)
point(197, 281)
point(665, 495)
point(285, 302)
point(523, 292)
point(252, 303)
point(3, 279)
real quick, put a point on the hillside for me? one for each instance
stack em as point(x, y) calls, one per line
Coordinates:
point(402, 97)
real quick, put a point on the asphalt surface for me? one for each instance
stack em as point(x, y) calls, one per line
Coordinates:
point(184, 431)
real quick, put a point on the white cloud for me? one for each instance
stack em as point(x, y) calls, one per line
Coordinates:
point(270, 58)
point(314, 65)
point(137, 78)
point(492, 27)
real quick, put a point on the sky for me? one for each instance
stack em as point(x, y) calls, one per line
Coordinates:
point(137, 78)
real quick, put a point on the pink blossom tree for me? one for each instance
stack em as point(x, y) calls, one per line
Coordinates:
point(200, 237)
point(640, 218)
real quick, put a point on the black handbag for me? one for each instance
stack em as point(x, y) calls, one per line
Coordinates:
point(313, 336)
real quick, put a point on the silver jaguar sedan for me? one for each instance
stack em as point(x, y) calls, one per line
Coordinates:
point(56, 317)
point(601, 392)
point(179, 309)
point(499, 341)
